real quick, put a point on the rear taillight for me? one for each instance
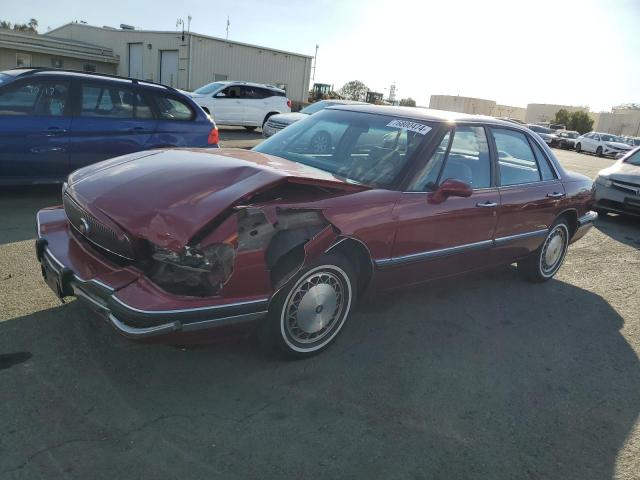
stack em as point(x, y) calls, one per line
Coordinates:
point(288, 103)
point(214, 136)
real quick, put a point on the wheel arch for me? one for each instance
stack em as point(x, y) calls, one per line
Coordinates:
point(270, 114)
point(359, 255)
point(571, 216)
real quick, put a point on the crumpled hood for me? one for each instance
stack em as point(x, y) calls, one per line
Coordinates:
point(288, 118)
point(168, 196)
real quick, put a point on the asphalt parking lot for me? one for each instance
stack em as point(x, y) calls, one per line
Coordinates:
point(477, 377)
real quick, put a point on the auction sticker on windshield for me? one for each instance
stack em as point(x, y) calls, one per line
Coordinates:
point(411, 126)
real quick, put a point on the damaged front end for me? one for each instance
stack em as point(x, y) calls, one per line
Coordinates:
point(255, 248)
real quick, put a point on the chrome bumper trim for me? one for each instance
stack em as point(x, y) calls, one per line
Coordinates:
point(587, 218)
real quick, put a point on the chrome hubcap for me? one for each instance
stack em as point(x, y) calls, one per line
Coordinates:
point(314, 307)
point(553, 250)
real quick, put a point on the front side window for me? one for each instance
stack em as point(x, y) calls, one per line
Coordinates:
point(107, 101)
point(427, 178)
point(38, 97)
point(468, 159)
point(516, 161)
point(173, 109)
point(360, 147)
point(230, 92)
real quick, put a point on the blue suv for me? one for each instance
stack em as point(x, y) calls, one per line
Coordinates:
point(55, 121)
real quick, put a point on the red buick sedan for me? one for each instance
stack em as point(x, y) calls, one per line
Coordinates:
point(167, 244)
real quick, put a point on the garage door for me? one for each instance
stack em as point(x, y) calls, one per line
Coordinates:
point(169, 67)
point(135, 60)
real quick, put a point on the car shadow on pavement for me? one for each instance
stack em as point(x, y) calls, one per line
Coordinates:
point(18, 208)
point(478, 377)
point(622, 228)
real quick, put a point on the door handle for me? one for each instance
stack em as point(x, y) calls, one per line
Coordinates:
point(555, 195)
point(487, 204)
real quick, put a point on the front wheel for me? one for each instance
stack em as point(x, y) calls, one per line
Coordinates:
point(545, 262)
point(599, 151)
point(578, 148)
point(250, 128)
point(309, 312)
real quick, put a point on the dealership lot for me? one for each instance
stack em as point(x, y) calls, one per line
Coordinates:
point(479, 377)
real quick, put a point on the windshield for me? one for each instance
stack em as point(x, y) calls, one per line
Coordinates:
point(539, 129)
point(360, 147)
point(634, 159)
point(210, 88)
point(316, 107)
point(610, 138)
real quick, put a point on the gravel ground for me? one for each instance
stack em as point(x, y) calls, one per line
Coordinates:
point(483, 376)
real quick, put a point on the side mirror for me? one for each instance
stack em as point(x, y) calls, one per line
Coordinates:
point(450, 188)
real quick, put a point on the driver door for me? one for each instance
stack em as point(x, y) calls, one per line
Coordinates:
point(453, 236)
point(228, 107)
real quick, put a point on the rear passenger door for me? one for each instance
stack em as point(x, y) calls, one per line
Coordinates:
point(113, 118)
point(34, 130)
point(530, 191)
point(176, 126)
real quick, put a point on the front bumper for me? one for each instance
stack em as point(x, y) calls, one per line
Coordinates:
point(617, 199)
point(70, 270)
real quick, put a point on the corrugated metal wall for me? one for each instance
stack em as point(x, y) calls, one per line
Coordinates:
point(210, 56)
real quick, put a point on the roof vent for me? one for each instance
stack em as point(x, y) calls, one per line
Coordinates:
point(124, 26)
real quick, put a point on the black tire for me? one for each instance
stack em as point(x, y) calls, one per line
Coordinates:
point(251, 129)
point(266, 119)
point(599, 151)
point(578, 147)
point(534, 267)
point(282, 332)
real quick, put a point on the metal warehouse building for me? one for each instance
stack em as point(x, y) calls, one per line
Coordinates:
point(189, 60)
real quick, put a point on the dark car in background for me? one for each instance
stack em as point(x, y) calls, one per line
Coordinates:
point(567, 139)
point(53, 122)
point(546, 134)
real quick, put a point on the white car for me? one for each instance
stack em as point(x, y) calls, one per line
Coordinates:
point(601, 144)
point(241, 103)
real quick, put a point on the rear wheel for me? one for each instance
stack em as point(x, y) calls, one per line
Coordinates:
point(310, 311)
point(599, 151)
point(544, 263)
point(578, 147)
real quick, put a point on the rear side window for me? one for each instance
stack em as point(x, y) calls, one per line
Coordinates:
point(517, 163)
point(39, 97)
point(106, 101)
point(543, 163)
point(171, 108)
point(468, 159)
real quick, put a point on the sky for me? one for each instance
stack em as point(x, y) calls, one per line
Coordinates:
point(570, 52)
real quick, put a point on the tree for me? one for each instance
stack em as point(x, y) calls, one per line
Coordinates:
point(563, 117)
point(407, 102)
point(31, 26)
point(354, 90)
point(580, 122)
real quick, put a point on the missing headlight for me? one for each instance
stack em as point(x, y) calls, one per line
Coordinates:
point(193, 271)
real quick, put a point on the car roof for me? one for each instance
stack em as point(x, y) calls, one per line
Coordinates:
point(251, 84)
point(37, 71)
point(425, 114)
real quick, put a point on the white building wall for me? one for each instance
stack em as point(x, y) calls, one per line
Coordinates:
point(542, 112)
point(517, 113)
point(208, 55)
point(470, 105)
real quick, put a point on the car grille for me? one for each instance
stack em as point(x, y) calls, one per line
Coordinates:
point(276, 125)
point(626, 187)
point(95, 231)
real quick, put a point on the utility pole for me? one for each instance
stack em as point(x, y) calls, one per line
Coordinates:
point(228, 25)
point(315, 62)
